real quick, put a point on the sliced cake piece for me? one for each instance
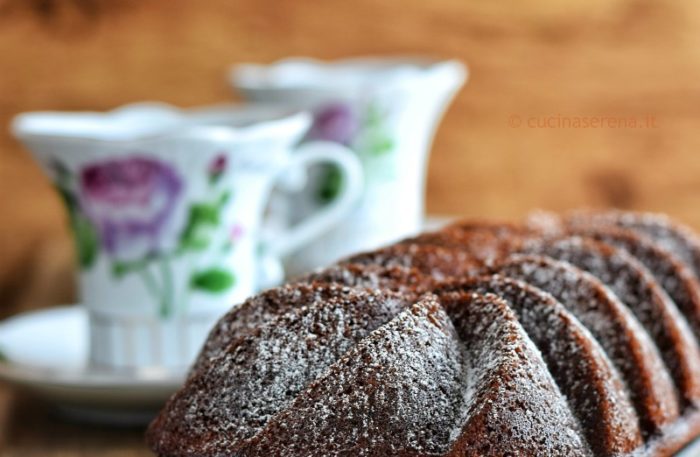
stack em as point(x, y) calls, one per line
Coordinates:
point(412, 388)
point(636, 287)
point(584, 374)
point(437, 261)
point(399, 279)
point(262, 308)
point(625, 341)
point(232, 396)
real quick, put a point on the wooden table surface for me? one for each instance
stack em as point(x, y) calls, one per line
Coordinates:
point(30, 428)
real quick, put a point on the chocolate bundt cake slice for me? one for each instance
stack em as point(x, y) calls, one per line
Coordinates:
point(566, 336)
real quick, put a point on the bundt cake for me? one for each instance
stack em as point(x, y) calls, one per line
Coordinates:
point(566, 335)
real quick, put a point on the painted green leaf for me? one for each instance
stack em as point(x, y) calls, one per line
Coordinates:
point(374, 117)
point(213, 280)
point(68, 199)
point(194, 242)
point(377, 140)
point(203, 213)
point(200, 217)
point(84, 234)
point(382, 144)
point(86, 240)
point(224, 198)
point(120, 268)
point(331, 184)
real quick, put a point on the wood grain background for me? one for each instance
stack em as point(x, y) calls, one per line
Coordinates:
point(542, 58)
point(629, 58)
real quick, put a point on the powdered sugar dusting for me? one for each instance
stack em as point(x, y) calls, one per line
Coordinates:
point(667, 235)
point(408, 281)
point(636, 287)
point(613, 325)
point(484, 241)
point(672, 274)
point(342, 362)
point(655, 241)
point(509, 386)
point(262, 308)
point(233, 395)
point(586, 377)
point(399, 390)
point(436, 261)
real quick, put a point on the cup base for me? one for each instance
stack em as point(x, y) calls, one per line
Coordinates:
point(143, 344)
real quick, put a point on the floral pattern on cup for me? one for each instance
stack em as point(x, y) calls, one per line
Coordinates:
point(364, 130)
point(129, 201)
point(337, 122)
point(120, 208)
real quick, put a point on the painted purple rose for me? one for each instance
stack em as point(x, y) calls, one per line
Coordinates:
point(337, 122)
point(217, 167)
point(130, 202)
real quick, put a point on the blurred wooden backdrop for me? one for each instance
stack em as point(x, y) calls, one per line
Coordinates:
point(632, 58)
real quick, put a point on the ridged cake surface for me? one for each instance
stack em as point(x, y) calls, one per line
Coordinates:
point(566, 335)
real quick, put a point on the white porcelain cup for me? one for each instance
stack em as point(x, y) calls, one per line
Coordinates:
point(166, 207)
point(386, 110)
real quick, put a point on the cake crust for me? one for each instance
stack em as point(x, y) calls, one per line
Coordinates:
point(572, 335)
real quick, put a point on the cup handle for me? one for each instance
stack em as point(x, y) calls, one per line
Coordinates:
point(351, 172)
point(270, 272)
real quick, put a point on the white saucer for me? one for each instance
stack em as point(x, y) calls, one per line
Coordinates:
point(692, 450)
point(46, 353)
